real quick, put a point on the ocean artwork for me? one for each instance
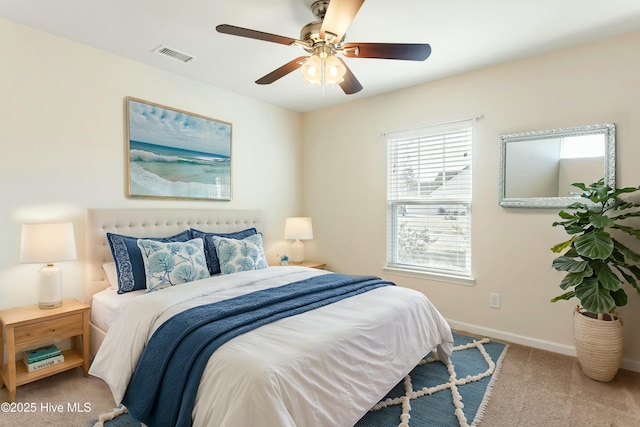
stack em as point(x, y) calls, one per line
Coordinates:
point(176, 154)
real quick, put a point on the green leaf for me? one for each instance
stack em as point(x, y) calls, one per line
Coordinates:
point(619, 191)
point(563, 263)
point(601, 221)
point(634, 269)
point(577, 206)
point(620, 297)
point(571, 253)
point(596, 245)
point(566, 296)
point(608, 278)
point(574, 229)
point(571, 280)
point(627, 277)
point(565, 224)
point(566, 215)
point(630, 255)
point(580, 185)
point(562, 246)
point(628, 230)
point(626, 215)
point(594, 297)
point(600, 194)
point(636, 272)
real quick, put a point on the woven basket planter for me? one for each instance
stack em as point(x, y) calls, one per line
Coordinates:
point(598, 345)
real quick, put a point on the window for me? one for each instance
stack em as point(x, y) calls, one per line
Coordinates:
point(429, 200)
point(575, 147)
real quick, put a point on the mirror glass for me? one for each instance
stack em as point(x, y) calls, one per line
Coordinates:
point(537, 168)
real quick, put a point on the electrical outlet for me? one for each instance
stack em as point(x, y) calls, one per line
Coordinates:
point(494, 300)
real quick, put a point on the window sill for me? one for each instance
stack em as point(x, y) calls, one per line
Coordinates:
point(467, 281)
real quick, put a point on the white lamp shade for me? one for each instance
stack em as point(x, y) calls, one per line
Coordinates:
point(48, 243)
point(298, 228)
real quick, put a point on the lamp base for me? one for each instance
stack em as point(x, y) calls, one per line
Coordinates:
point(47, 305)
point(297, 252)
point(50, 287)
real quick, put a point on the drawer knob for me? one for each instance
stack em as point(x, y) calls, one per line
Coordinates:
point(53, 329)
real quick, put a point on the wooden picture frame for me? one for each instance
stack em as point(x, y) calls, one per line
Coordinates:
point(175, 154)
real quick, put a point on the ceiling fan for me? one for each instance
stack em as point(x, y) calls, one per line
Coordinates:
point(324, 40)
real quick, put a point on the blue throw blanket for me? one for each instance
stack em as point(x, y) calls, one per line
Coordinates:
point(163, 388)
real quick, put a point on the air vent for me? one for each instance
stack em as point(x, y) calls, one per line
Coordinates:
point(174, 54)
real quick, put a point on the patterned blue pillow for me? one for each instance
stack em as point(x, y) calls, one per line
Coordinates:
point(172, 263)
point(128, 259)
point(210, 249)
point(240, 255)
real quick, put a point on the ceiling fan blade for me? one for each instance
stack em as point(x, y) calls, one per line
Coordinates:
point(405, 51)
point(350, 84)
point(282, 71)
point(253, 34)
point(338, 18)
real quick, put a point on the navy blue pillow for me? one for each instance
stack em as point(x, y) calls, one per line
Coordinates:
point(129, 262)
point(210, 248)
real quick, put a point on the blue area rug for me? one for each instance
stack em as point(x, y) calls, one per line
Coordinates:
point(431, 395)
point(444, 396)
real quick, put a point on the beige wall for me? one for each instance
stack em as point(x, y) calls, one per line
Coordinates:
point(62, 146)
point(62, 150)
point(345, 187)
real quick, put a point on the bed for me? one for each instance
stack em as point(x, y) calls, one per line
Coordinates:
point(323, 367)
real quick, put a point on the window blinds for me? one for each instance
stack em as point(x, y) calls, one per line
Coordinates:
point(429, 199)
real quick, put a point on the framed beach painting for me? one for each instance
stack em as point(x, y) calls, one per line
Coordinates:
point(175, 154)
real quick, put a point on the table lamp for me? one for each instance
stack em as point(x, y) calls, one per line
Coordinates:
point(298, 228)
point(48, 243)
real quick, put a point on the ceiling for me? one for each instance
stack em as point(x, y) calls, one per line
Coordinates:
point(464, 35)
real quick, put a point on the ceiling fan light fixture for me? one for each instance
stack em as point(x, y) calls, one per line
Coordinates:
point(334, 70)
point(311, 70)
point(323, 71)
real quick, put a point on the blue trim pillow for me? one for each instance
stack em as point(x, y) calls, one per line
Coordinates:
point(210, 248)
point(128, 258)
point(240, 255)
point(172, 263)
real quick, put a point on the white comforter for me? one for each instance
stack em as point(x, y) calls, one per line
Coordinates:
point(326, 367)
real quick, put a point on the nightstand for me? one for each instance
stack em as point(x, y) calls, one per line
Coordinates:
point(29, 327)
point(311, 264)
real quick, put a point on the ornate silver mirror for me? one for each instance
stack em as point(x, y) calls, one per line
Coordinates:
point(537, 168)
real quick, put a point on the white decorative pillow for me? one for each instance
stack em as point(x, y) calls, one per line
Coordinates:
point(111, 271)
point(240, 255)
point(172, 263)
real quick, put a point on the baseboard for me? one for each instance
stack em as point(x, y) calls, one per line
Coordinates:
point(569, 350)
point(631, 365)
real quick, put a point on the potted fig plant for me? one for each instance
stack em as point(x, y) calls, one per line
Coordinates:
point(597, 265)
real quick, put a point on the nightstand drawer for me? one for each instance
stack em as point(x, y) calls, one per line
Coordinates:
point(61, 327)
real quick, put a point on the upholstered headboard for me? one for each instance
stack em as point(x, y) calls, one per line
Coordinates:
point(150, 223)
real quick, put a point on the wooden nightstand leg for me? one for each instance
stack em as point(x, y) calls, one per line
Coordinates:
point(85, 343)
point(11, 364)
point(1, 357)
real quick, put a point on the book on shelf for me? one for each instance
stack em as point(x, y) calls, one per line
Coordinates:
point(41, 353)
point(44, 363)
